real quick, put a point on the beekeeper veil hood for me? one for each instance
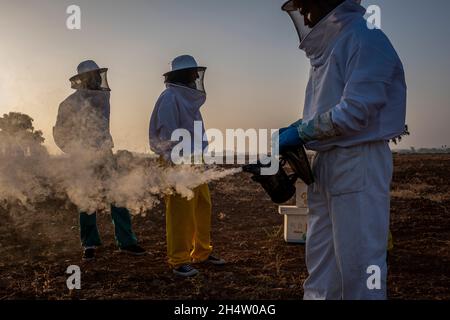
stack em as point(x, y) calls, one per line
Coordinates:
point(186, 72)
point(294, 9)
point(90, 77)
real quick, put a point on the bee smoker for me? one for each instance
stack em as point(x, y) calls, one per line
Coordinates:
point(281, 186)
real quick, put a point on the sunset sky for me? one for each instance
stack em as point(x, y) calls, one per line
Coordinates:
point(256, 74)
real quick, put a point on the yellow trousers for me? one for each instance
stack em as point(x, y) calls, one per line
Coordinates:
point(188, 227)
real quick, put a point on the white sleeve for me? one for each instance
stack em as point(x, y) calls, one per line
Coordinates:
point(162, 124)
point(168, 117)
point(369, 74)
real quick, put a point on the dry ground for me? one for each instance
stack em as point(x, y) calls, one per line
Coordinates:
point(36, 248)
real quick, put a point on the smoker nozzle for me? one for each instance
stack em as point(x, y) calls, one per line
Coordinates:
point(255, 168)
point(281, 186)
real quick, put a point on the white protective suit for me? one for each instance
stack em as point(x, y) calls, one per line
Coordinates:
point(357, 75)
point(178, 107)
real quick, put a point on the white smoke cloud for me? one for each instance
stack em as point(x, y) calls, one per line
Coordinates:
point(93, 181)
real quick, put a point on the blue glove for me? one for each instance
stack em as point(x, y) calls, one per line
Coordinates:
point(280, 131)
point(289, 138)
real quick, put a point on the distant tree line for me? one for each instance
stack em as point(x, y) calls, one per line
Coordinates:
point(18, 137)
point(442, 150)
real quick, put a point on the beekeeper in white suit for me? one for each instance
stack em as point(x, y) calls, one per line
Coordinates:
point(355, 103)
point(82, 130)
point(188, 222)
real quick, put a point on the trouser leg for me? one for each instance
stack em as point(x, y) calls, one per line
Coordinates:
point(122, 226)
point(360, 245)
point(324, 280)
point(89, 234)
point(360, 220)
point(202, 219)
point(180, 228)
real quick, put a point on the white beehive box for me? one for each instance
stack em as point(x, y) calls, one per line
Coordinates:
point(296, 217)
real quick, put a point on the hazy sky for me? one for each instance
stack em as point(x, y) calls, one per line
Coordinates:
point(256, 74)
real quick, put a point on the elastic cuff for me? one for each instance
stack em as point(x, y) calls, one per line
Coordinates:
point(318, 129)
point(301, 129)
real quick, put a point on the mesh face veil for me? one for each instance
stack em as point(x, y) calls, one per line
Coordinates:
point(292, 8)
point(191, 77)
point(297, 18)
point(92, 80)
